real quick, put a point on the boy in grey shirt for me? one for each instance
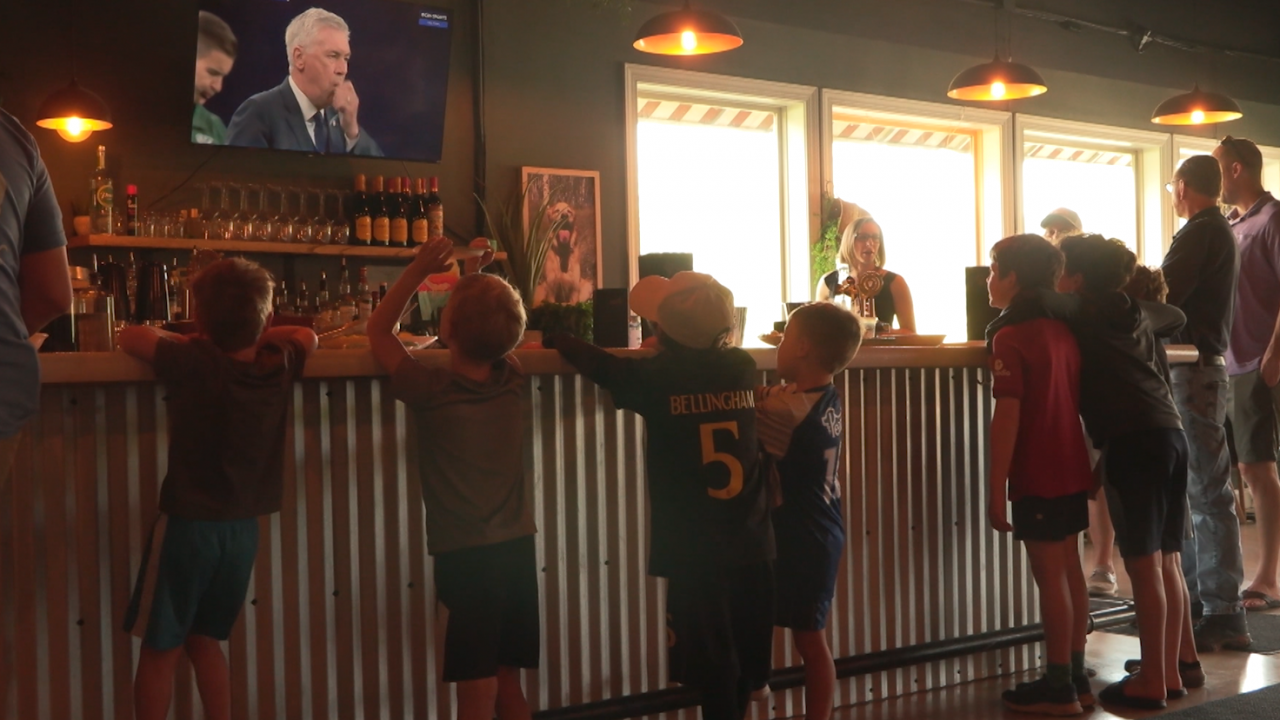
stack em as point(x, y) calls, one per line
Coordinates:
point(478, 500)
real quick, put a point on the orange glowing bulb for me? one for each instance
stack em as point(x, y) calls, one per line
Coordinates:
point(997, 89)
point(1197, 116)
point(74, 129)
point(689, 40)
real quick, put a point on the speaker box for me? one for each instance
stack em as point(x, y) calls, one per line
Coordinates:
point(976, 303)
point(665, 264)
point(609, 307)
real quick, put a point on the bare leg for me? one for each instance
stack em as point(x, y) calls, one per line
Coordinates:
point(1177, 620)
point(213, 677)
point(1102, 534)
point(1148, 596)
point(1265, 486)
point(1078, 591)
point(477, 699)
point(1048, 566)
point(153, 683)
point(819, 674)
point(512, 704)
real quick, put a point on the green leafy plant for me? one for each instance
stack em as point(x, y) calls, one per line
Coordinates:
point(576, 319)
point(526, 248)
point(823, 251)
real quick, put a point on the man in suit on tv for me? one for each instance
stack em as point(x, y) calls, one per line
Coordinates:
point(315, 108)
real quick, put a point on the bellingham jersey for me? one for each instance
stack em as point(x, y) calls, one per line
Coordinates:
point(708, 504)
point(801, 434)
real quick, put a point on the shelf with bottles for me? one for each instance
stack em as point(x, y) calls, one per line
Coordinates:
point(253, 246)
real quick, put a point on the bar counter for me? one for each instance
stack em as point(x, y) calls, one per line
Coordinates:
point(341, 620)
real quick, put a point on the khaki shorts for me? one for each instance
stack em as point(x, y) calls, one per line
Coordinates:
point(1252, 410)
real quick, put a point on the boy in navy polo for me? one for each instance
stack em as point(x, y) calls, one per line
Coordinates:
point(1038, 459)
point(800, 425)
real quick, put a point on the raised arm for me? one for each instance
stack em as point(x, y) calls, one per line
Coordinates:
point(387, 348)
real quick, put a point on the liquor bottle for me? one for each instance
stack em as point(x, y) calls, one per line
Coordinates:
point(397, 211)
point(362, 232)
point(281, 303)
point(435, 212)
point(346, 301)
point(364, 299)
point(378, 210)
point(131, 286)
point(418, 213)
point(303, 305)
point(323, 311)
point(103, 197)
point(131, 210)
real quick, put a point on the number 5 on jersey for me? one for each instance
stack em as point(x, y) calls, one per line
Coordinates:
point(709, 455)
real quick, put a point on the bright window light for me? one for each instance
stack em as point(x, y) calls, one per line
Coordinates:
point(716, 192)
point(924, 200)
point(1102, 187)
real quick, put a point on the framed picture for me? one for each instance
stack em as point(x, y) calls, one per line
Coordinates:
point(571, 272)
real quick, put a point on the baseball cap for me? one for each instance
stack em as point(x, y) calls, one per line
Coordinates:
point(692, 308)
point(1063, 215)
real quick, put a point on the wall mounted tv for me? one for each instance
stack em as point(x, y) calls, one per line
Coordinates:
point(356, 77)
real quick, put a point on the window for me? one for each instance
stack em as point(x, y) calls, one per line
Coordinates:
point(1113, 178)
point(1187, 147)
point(720, 169)
point(931, 176)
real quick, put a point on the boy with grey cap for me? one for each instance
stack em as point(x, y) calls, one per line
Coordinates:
point(710, 533)
point(1061, 223)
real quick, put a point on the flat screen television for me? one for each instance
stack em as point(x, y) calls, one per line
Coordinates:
point(370, 75)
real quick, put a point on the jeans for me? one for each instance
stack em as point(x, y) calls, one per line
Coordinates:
point(1212, 560)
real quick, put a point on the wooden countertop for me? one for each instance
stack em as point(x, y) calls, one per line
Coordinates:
point(94, 368)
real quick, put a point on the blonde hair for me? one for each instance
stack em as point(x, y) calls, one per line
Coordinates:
point(846, 241)
point(486, 317)
point(303, 28)
point(233, 300)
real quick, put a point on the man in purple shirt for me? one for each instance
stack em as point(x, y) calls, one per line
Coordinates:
point(1253, 356)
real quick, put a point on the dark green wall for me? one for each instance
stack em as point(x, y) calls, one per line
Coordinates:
point(554, 71)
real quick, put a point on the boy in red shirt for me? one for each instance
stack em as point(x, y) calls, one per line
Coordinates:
point(1038, 451)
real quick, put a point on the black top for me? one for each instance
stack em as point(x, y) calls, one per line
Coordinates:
point(708, 505)
point(885, 309)
point(1201, 269)
point(226, 428)
point(1123, 370)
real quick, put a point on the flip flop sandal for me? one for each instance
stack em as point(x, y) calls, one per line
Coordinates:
point(1114, 694)
point(1268, 602)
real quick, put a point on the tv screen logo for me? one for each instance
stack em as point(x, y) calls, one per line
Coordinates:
point(431, 18)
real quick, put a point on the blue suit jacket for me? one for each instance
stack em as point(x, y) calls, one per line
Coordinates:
point(273, 119)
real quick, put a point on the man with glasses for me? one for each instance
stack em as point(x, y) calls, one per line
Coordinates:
point(1253, 359)
point(1200, 269)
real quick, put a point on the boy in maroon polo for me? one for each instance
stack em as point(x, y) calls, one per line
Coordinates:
point(1039, 461)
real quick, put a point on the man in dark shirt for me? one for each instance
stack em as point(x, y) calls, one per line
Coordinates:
point(1200, 269)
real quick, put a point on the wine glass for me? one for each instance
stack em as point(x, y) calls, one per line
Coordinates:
point(276, 224)
point(219, 225)
point(321, 228)
point(261, 219)
point(241, 222)
point(341, 228)
point(301, 224)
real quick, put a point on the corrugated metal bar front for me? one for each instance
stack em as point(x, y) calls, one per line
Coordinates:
point(341, 620)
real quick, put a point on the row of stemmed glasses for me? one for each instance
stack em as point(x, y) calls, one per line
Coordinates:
point(272, 213)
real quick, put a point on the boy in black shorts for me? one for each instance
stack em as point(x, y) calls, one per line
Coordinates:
point(1038, 459)
point(800, 427)
point(710, 531)
point(477, 498)
point(229, 391)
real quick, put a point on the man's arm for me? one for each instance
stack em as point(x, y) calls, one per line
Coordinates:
point(1004, 436)
point(1270, 367)
point(387, 348)
point(141, 341)
point(1182, 267)
point(44, 284)
point(1165, 319)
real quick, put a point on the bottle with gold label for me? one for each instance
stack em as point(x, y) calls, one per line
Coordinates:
point(418, 230)
point(398, 213)
point(435, 212)
point(378, 210)
point(363, 231)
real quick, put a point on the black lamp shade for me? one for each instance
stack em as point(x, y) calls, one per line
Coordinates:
point(1196, 108)
point(74, 112)
point(997, 80)
point(688, 31)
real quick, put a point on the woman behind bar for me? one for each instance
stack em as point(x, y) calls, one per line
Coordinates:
point(862, 250)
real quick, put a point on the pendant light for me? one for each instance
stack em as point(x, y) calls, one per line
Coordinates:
point(74, 112)
point(1196, 108)
point(688, 31)
point(998, 79)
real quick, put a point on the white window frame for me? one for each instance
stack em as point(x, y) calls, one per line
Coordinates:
point(797, 109)
point(993, 162)
point(1154, 158)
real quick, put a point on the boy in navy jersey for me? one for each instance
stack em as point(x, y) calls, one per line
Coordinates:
point(710, 534)
point(800, 427)
point(1039, 461)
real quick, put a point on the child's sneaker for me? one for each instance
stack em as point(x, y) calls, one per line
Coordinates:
point(1084, 691)
point(1040, 697)
point(1102, 583)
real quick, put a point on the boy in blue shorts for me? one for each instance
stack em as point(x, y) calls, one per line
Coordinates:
point(710, 534)
point(477, 498)
point(229, 391)
point(800, 426)
point(1039, 461)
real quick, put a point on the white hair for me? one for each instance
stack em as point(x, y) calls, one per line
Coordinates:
point(303, 28)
